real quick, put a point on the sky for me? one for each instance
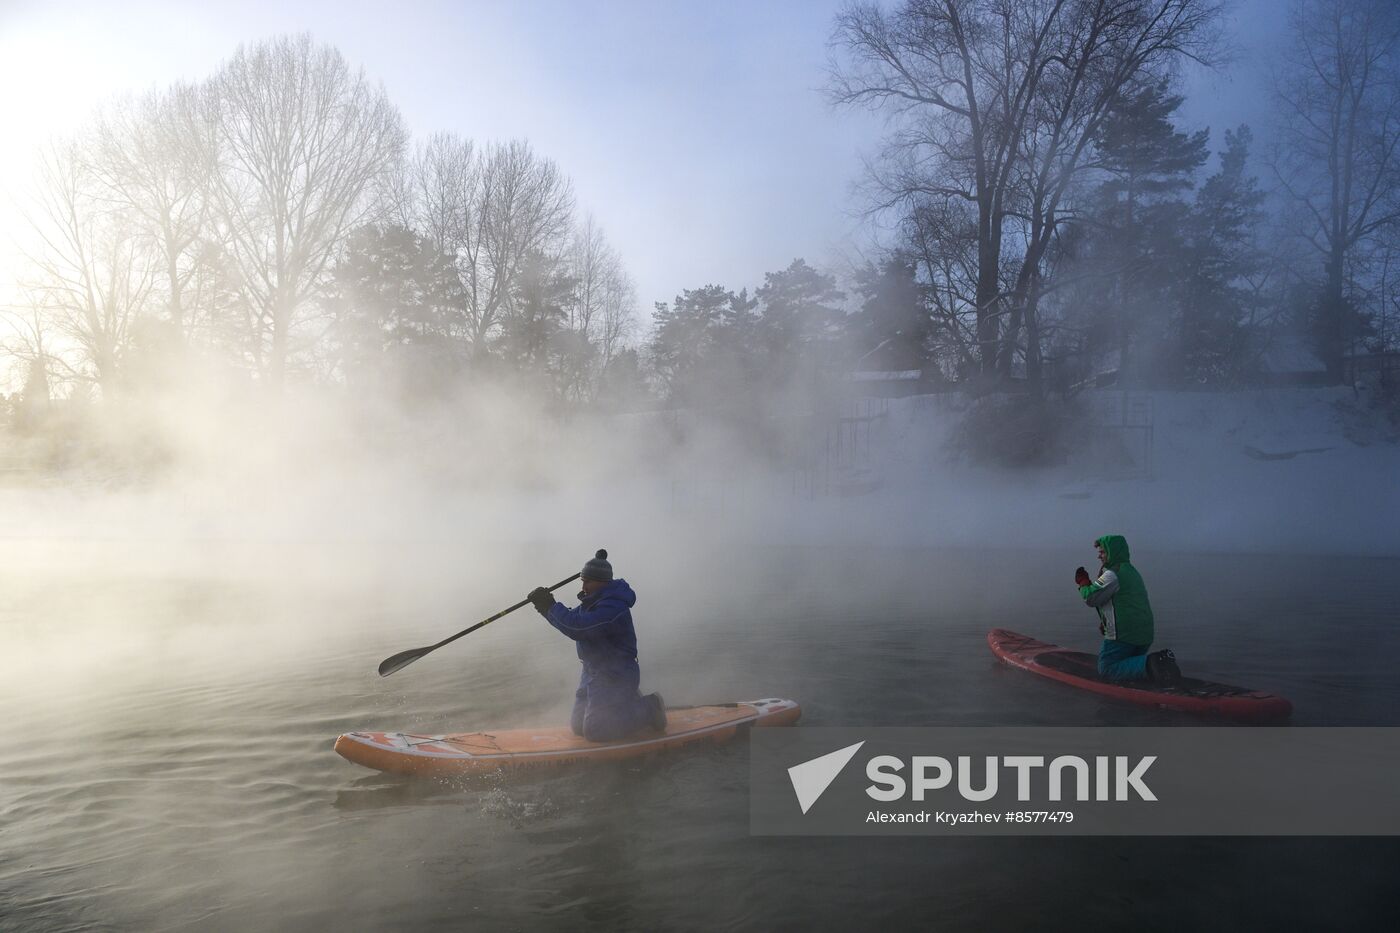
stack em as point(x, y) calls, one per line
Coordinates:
point(695, 133)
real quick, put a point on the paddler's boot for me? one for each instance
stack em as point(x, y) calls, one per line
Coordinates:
point(658, 711)
point(1162, 669)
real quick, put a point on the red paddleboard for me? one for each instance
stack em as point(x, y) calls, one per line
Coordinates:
point(475, 752)
point(1081, 670)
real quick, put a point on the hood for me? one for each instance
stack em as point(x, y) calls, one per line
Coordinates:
point(1116, 549)
point(617, 589)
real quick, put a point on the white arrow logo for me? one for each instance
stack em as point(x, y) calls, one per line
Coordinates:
point(811, 778)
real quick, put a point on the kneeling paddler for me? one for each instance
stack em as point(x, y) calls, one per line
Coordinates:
point(607, 705)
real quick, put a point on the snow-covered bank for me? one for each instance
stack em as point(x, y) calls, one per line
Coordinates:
point(1301, 470)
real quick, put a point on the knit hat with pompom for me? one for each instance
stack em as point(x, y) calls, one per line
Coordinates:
point(598, 568)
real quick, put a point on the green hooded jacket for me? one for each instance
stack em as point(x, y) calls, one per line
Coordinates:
point(1120, 596)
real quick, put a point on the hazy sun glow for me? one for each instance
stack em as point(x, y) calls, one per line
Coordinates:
point(54, 70)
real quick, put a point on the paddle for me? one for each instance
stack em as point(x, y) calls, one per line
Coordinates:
point(405, 658)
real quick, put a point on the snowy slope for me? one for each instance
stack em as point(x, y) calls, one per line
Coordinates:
point(1306, 470)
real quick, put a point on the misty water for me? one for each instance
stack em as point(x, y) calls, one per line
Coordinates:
point(166, 762)
point(325, 334)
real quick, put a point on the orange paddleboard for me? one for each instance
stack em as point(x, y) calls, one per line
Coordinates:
point(474, 752)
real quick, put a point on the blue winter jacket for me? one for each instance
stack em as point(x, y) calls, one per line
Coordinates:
point(602, 627)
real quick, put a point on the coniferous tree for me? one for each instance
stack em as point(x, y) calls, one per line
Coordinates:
point(1221, 254)
point(800, 323)
point(1138, 217)
point(703, 346)
point(538, 312)
point(397, 308)
point(893, 314)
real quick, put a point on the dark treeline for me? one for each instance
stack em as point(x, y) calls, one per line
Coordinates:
point(1052, 220)
point(1058, 221)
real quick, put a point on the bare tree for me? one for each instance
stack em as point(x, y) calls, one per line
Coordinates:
point(303, 143)
point(524, 208)
point(29, 342)
point(155, 158)
point(92, 271)
point(591, 260)
point(601, 313)
point(435, 190)
point(942, 237)
point(605, 299)
point(995, 104)
point(491, 209)
point(618, 325)
point(1339, 105)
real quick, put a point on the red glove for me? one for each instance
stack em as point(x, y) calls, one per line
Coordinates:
point(1081, 577)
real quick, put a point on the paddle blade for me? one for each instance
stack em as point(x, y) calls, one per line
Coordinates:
point(401, 660)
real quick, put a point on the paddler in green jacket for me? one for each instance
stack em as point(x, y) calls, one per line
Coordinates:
point(1125, 617)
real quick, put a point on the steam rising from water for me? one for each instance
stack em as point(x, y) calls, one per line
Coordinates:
point(411, 525)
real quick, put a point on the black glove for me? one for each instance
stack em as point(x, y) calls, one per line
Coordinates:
point(1081, 577)
point(543, 600)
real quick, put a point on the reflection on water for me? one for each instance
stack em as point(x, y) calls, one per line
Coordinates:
point(165, 753)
